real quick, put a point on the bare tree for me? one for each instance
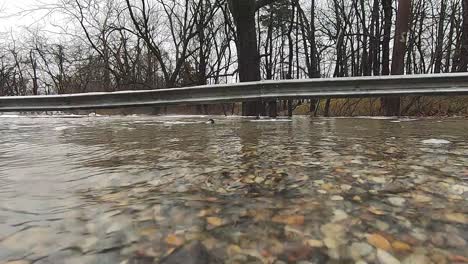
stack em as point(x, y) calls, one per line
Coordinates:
point(181, 22)
point(148, 44)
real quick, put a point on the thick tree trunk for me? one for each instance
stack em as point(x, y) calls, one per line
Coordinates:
point(327, 108)
point(310, 53)
point(268, 49)
point(392, 104)
point(314, 60)
point(243, 12)
point(313, 44)
point(290, 56)
point(341, 62)
point(463, 61)
point(440, 37)
point(202, 64)
point(366, 69)
point(388, 13)
point(448, 56)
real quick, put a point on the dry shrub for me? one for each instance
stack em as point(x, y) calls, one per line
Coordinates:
point(410, 106)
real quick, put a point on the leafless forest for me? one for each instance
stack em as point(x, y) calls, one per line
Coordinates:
point(112, 45)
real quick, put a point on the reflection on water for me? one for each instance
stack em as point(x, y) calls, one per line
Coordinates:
point(134, 189)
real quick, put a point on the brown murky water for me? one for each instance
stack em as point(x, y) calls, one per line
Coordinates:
point(134, 189)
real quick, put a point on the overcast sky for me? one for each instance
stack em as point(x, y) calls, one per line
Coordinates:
point(13, 15)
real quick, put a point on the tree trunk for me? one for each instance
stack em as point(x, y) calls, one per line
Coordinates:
point(291, 56)
point(268, 49)
point(202, 64)
point(388, 13)
point(463, 61)
point(311, 56)
point(327, 108)
point(392, 104)
point(448, 56)
point(243, 12)
point(34, 69)
point(373, 59)
point(440, 37)
point(366, 69)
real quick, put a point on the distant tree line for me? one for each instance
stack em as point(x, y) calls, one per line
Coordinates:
point(112, 45)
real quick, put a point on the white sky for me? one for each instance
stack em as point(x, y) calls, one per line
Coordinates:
point(14, 15)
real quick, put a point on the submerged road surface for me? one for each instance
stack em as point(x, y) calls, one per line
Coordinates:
point(138, 189)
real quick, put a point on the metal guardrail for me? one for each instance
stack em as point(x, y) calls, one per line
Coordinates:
point(438, 84)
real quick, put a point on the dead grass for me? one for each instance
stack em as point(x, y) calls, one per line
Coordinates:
point(411, 106)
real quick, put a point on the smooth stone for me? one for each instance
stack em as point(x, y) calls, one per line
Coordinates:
point(339, 215)
point(337, 198)
point(334, 235)
point(459, 189)
point(314, 243)
point(457, 218)
point(380, 180)
point(259, 180)
point(360, 249)
point(115, 227)
point(382, 226)
point(420, 198)
point(456, 241)
point(379, 241)
point(295, 252)
point(438, 239)
point(395, 187)
point(416, 259)
point(193, 253)
point(346, 187)
point(439, 258)
point(233, 250)
point(89, 244)
point(397, 201)
point(386, 258)
point(331, 242)
point(399, 246)
point(357, 198)
point(419, 234)
point(391, 150)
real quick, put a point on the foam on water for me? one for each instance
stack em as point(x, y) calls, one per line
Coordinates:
point(272, 120)
point(436, 141)
point(61, 128)
point(44, 116)
point(404, 120)
point(179, 122)
point(184, 116)
point(367, 117)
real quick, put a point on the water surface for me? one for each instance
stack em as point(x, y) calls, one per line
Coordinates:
point(133, 189)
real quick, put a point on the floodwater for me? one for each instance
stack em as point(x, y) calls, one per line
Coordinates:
point(156, 189)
